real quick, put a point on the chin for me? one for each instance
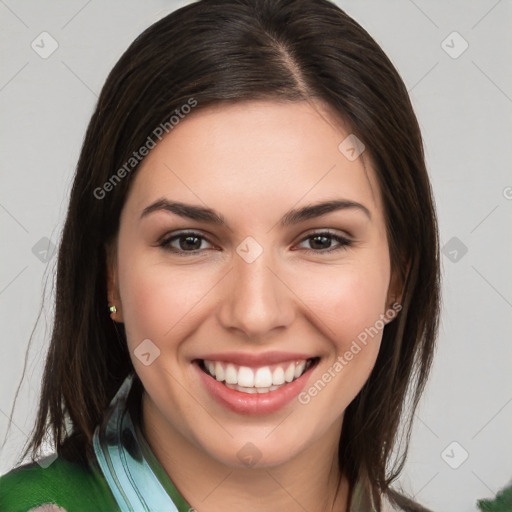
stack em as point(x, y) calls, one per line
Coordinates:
point(257, 452)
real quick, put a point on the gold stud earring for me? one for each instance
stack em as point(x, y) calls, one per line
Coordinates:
point(113, 309)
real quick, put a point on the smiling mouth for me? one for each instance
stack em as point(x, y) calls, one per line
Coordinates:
point(262, 379)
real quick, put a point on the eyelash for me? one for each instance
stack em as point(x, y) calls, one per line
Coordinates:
point(344, 242)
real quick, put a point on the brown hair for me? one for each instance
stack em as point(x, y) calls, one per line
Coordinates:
point(234, 50)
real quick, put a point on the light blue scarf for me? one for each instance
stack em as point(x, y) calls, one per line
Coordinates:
point(120, 455)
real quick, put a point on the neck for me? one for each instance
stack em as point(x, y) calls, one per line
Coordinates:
point(311, 480)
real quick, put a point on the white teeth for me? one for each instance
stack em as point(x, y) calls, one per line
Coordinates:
point(299, 369)
point(245, 377)
point(231, 375)
point(252, 390)
point(219, 372)
point(278, 376)
point(289, 374)
point(263, 378)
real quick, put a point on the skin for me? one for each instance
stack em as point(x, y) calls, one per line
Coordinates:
point(251, 162)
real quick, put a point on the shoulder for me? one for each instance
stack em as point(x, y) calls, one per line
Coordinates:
point(62, 485)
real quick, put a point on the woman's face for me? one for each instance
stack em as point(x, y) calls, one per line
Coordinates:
point(218, 272)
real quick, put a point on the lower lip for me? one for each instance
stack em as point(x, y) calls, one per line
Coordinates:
point(253, 403)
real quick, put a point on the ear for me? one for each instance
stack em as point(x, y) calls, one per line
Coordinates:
point(396, 288)
point(114, 298)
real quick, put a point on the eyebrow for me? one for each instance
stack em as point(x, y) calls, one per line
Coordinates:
point(292, 217)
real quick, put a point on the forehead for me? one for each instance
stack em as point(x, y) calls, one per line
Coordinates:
point(261, 156)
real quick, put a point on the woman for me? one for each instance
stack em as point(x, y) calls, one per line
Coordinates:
point(248, 280)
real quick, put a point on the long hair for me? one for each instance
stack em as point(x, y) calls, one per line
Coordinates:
point(213, 52)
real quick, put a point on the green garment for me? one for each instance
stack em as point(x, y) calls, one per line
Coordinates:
point(79, 489)
point(66, 484)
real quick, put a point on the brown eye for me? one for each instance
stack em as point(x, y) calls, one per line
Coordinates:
point(189, 242)
point(321, 242)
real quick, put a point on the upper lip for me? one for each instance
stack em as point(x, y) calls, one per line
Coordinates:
point(252, 359)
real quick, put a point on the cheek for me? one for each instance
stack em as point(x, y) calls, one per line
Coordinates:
point(347, 299)
point(154, 298)
point(161, 301)
point(349, 310)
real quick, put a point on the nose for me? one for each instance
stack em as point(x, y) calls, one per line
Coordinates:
point(256, 300)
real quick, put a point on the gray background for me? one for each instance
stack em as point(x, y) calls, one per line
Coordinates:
point(464, 103)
